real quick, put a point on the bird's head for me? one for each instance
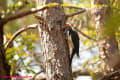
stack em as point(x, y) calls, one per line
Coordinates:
point(67, 26)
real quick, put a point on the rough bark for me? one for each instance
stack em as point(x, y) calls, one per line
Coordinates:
point(55, 51)
point(108, 46)
point(4, 67)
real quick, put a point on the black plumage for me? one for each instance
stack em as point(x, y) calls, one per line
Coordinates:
point(75, 41)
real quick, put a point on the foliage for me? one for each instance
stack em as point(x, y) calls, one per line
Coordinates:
point(19, 52)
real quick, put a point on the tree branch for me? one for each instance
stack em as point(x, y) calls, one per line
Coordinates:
point(34, 10)
point(88, 48)
point(85, 35)
point(72, 7)
point(78, 72)
point(76, 13)
point(33, 26)
point(24, 13)
point(34, 77)
point(111, 75)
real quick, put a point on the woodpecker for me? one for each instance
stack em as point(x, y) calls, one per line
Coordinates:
point(75, 40)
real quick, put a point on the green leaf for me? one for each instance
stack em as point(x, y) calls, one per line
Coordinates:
point(33, 72)
point(12, 68)
point(50, 4)
point(86, 41)
point(22, 54)
point(85, 63)
point(21, 47)
point(92, 73)
point(29, 62)
point(74, 78)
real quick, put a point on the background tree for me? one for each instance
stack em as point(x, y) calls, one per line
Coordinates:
point(108, 46)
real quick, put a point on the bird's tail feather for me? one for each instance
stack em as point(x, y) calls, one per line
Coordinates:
point(77, 54)
point(73, 53)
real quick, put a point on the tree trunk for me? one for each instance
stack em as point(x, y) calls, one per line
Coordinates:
point(4, 67)
point(108, 46)
point(55, 51)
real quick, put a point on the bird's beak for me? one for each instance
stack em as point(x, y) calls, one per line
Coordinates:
point(67, 27)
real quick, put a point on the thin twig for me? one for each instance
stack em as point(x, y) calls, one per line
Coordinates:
point(36, 75)
point(72, 7)
point(78, 72)
point(88, 48)
point(86, 35)
point(33, 26)
point(76, 13)
point(110, 75)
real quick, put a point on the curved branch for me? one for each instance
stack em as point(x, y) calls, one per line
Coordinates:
point(33, 26)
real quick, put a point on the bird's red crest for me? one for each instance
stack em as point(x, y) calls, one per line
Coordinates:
point(66, 25)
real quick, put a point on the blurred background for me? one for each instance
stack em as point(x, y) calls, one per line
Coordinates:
point(24, 53)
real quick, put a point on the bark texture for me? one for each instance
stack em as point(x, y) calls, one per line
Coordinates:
point(4, 67)
point(55, 49)
point(108, 46)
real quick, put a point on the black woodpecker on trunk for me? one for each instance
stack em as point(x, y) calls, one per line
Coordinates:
point(75, 40)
